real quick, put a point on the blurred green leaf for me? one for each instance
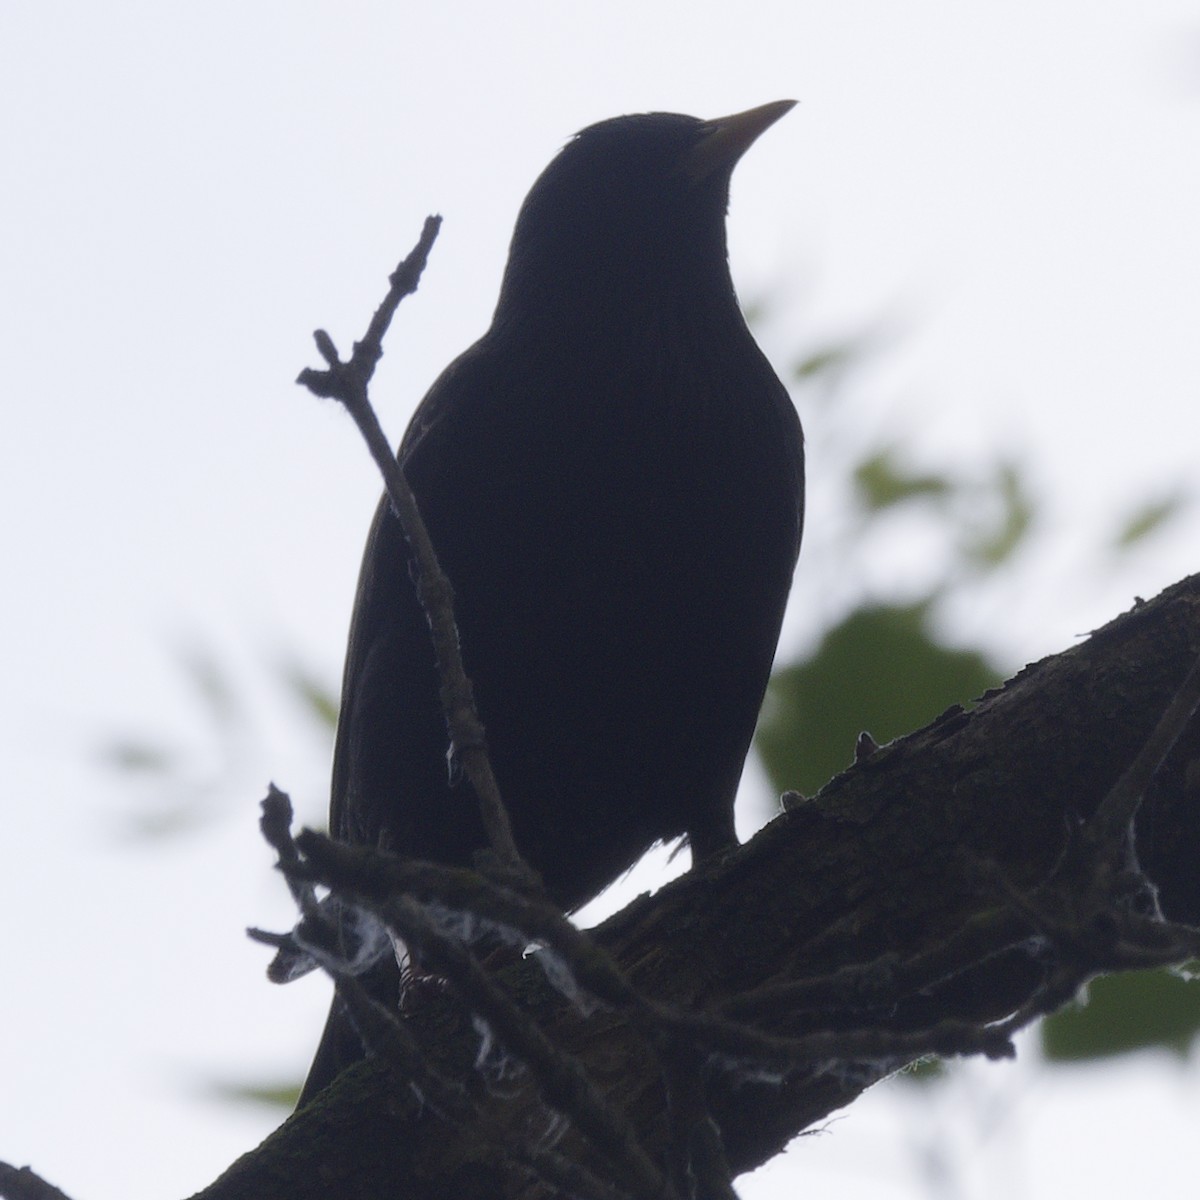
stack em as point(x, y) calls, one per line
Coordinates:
point(135, 757)
point(1124, 1013)
point(831, 359)
point(994, 546)
point(176, 783)
point(881, 482)
point(208, 677)
point(923, 1072)
point(176, 816)
point(880, 670)
point(314, 694)
point(282, 1096)
point(1147, 519)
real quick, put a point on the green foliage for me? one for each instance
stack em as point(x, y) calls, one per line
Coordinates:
point(881, 669)
point(924, 1071)
point(989, 518)
point(1148, 519)
point(135, 756)
point(882, 482)
point(1123, 1013)
point(282, 1096)
point(314, 695)
point(826, 362)
point(180, 781)
point(884, 664)
point(181, 785)
point(992, 546)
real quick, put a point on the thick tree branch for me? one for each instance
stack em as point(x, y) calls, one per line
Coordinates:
point(20, 1183)
point(940, 892)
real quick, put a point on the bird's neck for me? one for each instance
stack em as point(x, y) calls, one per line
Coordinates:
point(602, 300)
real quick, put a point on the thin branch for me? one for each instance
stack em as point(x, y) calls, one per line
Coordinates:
point(392, 888)
point(347, 382)
point(276, 826)
point(377, 875)
point(334, 383)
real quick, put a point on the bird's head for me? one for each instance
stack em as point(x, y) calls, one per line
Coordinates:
point(629, 208)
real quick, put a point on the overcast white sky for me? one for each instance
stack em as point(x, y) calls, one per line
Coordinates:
point(191, 189)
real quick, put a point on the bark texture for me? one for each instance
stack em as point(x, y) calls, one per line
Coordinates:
point(897, 901)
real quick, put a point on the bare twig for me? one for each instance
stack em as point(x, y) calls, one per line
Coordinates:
point(393, 888)
point(347, 382)
point(562, 1082)
point(276, 826)
point(373, 878)
point(377, 876)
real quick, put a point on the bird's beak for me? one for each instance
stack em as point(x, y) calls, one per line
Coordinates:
point(723, 141)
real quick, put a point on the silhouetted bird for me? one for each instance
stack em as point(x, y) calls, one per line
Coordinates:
point(612, 477)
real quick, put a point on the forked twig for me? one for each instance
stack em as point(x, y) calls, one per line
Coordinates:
point(347, 382)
